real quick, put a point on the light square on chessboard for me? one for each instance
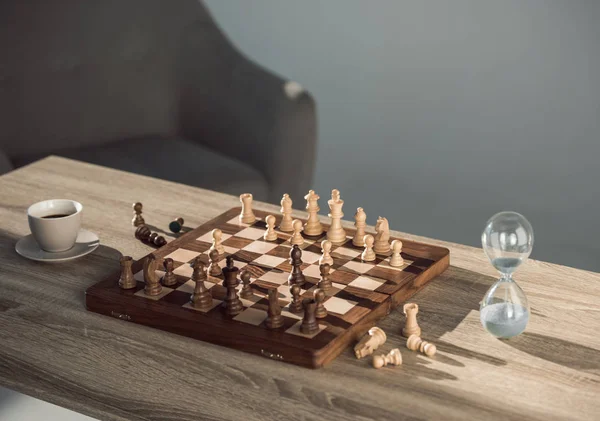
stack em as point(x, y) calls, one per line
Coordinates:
point(252, 316)
point(185, 270)
point(365, 282)
point(314, 271)
point(139, 276)
point(208, 238)
point(295, 330)
point(262, 247)
point(214, 304)
point(164, 292)
point(275, 277)
point(250, 233)
point(249, 302)
point(183, 255)
point(386, 264)
point(309, 257)
point(269, 261)
point(338, 305)
point(358, 267)
point(188, 287)
point(236, 221)
point(345, 252)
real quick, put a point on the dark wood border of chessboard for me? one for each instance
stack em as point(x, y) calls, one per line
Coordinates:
point(105, 299)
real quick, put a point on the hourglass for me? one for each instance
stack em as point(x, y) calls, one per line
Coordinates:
point(507, 241)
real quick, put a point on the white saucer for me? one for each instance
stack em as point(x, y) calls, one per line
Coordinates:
point(86, 243)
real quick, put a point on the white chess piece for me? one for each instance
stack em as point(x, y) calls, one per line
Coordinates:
point(217, 235)
point(336, 233)
point(395, 259)
point(297, 235)
point(286, 211)
point(368, 255)
point(326, 257)
point(360, 222)
point(382, 236)
point(270, 234)
point(247, 215)
point(313, 224)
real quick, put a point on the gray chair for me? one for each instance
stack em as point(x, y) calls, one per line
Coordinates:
point(153, 87)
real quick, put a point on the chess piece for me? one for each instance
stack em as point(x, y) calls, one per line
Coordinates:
point(286, 211)
point(213, 268)
point(138, 219)
point(309, 321)
point(247, 215)
point(360, 222)
point(411, 327)
point(336, 233)
point(201, 297)
point(169, 278)
point(396, 259)
point(313, 224)
point(233, 305)
point(159, 241)
point(297, 235)
point(217, 236)
point(415, 343)
point(382, 236)
point(126, 280)
point(296, 275)
point(246, 291)
point(296, 305)
point(270, 234)
point(368, 255)
point(326, 256)
point(319, 297)
point(394, 357)
point(176, 225)
point(153, 286)
point(274, 318)
point(143, 233)
point(325, 283)
point(374, 338)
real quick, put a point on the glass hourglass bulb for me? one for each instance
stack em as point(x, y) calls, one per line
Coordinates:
point(507, 241)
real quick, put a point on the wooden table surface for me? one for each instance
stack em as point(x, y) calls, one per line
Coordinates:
point(53, 349)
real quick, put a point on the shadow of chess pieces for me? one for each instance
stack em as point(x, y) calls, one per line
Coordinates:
point(246, 291)
point(137, 215)
point(325, 283)
point(374, 338)
point(313, 224)
point(296, 305)
point(396, 259)
point(169, 278)
point(319, 297)
point(274, 318)
point(126, 280)
point(153, 286)
point(176, 225)
point(232, 303)
point(415, 343)
point(286, 212)
point(270, 234)
point(411, 326)
point(296, 276)
point(214, 269)
point(201, 297)
point(247, 214)
point(309, 321)
point(394, 357)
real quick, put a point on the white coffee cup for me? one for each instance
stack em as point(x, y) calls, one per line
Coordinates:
point(55, 223)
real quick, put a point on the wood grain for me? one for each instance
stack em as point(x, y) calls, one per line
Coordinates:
point(53, 349)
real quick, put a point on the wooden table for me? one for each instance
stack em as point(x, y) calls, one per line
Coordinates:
point(52, 348)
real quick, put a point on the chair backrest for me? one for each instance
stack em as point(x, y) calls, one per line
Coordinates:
point(77, 72)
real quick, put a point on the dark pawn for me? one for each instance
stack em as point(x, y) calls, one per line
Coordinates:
point(213, 268)
point(320, 310)
point(325, 283)
point(296, 304)
point(159, 241)
point(246, 291)
point(233, 305)
point(142, 233)
point(296, 275)
point(169, 278)
point(309, 322)
point(201, 298)
point(176, 225)
point(274, 318)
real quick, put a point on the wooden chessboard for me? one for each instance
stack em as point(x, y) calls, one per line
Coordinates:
point(363, 292)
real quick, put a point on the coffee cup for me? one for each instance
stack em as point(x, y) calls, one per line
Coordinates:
point(55, 223)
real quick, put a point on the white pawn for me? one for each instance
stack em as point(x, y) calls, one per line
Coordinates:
point(270, 234)
point(297, 235)
point(394, 357)
point(246, 215)
point(286, 211)
point(360, 222)
point(395, 259)
point(217, 235)
point(326, 257)
point(368, 255)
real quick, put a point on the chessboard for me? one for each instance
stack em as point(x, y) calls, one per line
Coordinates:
point(362, 293)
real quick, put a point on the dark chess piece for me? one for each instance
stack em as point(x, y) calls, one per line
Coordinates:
point(169, 278)
point(274, 318)
point(143, 233)
point(137, 215)
point(159, 241)
point(296, 275)
point(126, 280)
point(296, 305)
point(309, 321)
point(320, 310)
point(213, 268)
point(201, 298)
point(176, 225)
point(153, 286)
point(246, 291)
point(233, 305)
point(325, 283)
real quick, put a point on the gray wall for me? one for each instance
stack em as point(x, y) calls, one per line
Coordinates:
point(437, 114)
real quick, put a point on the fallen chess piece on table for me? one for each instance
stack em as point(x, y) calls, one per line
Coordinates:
point(394, 357)
point(144, 234)
point(374, 338)
point(176, 225)
point(415, 343)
